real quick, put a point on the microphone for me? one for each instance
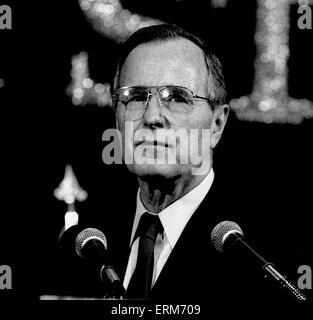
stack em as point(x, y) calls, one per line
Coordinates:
point(227, 236)
point(91, 244)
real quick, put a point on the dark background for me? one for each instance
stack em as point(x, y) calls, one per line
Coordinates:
point(42, 131)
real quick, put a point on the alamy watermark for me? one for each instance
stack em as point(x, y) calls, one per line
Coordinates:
point(5, 277)
point(162, 147)
point(305, 20)
point(5, 17)
point(305, 280)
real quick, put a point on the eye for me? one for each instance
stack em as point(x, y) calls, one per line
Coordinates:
point(138, 97)
point(135, 95)
point(178, 95)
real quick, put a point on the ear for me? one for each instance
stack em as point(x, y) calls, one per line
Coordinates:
point(219, 119)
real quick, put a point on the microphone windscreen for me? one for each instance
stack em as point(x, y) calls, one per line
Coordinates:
point(87, 235)
point(221, 231)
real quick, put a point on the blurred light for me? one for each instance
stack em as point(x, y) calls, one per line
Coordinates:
point(87, 83)
point(2, 83)
point(135, 19)
point(69, 189)
point(219, 3)
point(106, 9)
point(269, 100)
point(109, 17)
point(99, 88)
point(144, 24)
point(70, 219)
point(85, 4)
point(133, 22)
point(266, 105)
point(78, 93)
point(270, 4)
point(304, 2)
point(125, 14)
point(83, 89)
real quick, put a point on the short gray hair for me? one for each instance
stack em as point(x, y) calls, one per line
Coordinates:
point(165, 32)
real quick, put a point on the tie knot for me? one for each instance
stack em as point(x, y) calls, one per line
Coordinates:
point(149, 226)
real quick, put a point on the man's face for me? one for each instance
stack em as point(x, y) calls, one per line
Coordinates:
point(160, 143)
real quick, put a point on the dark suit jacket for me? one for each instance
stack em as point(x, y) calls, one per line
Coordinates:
point(195, 272)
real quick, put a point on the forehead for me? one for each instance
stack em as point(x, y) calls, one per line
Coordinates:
point(175, 61)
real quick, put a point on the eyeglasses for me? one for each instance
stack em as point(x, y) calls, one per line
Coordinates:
point(176, 100)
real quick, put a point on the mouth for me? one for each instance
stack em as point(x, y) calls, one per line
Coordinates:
point(153, 143)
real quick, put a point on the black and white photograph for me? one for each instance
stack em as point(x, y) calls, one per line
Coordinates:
point(156, 158)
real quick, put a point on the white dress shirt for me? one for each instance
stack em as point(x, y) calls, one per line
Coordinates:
point(174, 219)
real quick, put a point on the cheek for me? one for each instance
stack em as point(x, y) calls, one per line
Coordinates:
point(131, 132)
point(126, 129)
point(198, 125)
point(202, 118)
point(120, 111)
point(200, 133)
point(200, 140)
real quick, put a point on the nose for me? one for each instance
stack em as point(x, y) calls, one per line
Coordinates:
point(153, 114)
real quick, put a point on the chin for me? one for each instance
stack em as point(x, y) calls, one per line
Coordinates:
point(156, 170)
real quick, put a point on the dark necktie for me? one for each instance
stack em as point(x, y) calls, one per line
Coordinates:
point(141, 280)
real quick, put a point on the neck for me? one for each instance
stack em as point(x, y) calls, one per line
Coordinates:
point(157, 193)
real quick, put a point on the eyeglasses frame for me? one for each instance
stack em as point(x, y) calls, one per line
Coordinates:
point(159, 88)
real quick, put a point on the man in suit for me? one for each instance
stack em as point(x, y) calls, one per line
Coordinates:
point(169, 97)
point(170, 102)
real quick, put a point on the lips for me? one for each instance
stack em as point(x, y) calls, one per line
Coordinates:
point(153, 143)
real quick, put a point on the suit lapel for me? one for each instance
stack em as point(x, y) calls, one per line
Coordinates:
point(193, 257)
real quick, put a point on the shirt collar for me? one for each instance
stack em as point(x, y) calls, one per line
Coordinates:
point(175, 217)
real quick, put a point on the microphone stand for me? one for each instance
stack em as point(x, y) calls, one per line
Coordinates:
point(116, 289)
point(283, 283)
point(268, 269)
